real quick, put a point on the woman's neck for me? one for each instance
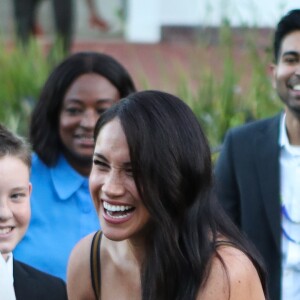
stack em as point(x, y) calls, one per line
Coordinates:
point(81, 165)
point(128, 250)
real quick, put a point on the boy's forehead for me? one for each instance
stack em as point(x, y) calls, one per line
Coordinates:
point(15, 157)
point(10, 162)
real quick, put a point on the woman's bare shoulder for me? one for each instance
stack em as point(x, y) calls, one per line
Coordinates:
point(79, 285)
point(236, 279)
point(83, 246)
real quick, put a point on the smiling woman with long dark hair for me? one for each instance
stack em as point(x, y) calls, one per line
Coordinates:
point(164, 236)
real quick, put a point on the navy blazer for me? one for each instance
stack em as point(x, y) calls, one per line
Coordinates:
point(247, 177)
point(32, 284)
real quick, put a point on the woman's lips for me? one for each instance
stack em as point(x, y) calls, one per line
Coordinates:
point(117, 214)
point(85, 140)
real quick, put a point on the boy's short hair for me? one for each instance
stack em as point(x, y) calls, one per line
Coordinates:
point(13, 145)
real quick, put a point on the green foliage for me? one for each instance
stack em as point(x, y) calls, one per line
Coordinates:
point(240, 91)
point(22, 74)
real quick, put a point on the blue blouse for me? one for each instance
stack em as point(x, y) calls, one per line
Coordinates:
point(62, 212)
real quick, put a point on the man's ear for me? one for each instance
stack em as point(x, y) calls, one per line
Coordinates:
point(272, 71)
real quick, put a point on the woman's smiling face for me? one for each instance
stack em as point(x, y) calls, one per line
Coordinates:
point(85, 100)
point(113, 189)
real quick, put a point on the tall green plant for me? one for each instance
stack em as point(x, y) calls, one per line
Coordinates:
point(221, 101)
point(23, 72)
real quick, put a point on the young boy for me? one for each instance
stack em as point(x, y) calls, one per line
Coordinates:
point(17, 280)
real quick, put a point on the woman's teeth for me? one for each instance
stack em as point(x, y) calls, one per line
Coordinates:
point(116, 208)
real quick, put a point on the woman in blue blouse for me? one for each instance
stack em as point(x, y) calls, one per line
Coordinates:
point(61, 132)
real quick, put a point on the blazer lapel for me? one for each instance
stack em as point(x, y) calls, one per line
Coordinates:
point(24, 285)
point(267, 163)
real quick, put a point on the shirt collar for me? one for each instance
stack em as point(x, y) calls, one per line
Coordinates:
point(284, 142)
point(65, 179)
point(9, 264)
point(283, 138)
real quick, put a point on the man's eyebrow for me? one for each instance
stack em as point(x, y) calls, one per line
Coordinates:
point(294, 53)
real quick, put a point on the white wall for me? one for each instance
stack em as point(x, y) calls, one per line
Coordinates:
point(143, 21)
point(180, 12)
point(146, 16)
point(265, 13)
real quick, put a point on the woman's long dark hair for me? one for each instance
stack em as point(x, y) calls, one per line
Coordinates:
point(44, 133)
point(172, 169)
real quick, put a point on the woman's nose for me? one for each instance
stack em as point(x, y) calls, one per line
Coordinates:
point(113, 185)
point(89, 119)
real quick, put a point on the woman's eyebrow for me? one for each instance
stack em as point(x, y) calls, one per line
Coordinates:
point(125, 165)
point(100, 156)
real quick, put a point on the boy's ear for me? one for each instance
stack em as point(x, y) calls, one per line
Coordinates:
point(30, 188)
point(272, 71)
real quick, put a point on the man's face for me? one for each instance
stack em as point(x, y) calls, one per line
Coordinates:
point(286, 73)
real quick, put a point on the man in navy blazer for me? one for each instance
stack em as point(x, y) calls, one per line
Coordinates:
point(247, 175)
point(256, 173)
point(31, 284)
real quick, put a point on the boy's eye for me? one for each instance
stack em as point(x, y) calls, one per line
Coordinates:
point(18, 196)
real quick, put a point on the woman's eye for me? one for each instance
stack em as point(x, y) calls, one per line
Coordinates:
point(73, 110)
point(100, 111)
point(129, 171)
point(100, 164)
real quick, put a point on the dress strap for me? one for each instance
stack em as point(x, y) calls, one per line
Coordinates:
point(95, 263)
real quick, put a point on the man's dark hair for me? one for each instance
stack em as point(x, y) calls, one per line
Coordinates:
point(288, 23)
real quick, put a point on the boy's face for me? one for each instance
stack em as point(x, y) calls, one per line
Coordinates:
point(15, 191)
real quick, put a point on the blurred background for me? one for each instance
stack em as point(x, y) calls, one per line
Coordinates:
point(212, 53)
point(148, 21)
